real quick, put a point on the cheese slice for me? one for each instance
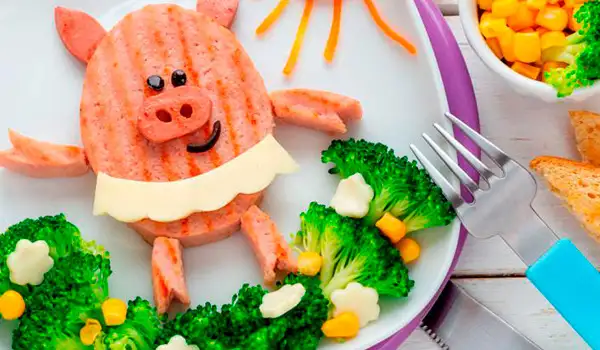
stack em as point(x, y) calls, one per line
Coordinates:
point(250, 172)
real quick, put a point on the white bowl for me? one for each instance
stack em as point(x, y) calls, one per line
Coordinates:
point(470, 22)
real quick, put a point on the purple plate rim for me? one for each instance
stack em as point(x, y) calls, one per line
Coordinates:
point(462, 103)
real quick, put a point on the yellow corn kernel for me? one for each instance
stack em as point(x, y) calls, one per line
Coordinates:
point(527, 47)
point(491, 28)
point(90, 331)
point(551, 39)
point(553, 2)
point(527, 30)
point(12, 305)
point(309, 263)
point(523, 18)
point(504, 8)
point(114, 311)
point(486, 15)
point(550, 65)
point(507, 44)
point(485, 4)
point(536, 4)
point(552, 18)
point(344, 325)
point(569, 4)
point(494, 45)
point(409, 250)
point(391, 227)
point(573, 24)
point(526, 70)
point(541, 30)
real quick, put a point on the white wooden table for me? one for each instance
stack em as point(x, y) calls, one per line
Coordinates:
point(488, 269)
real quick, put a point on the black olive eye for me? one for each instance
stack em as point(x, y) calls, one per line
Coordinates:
point(178, 78)
point(156, 83)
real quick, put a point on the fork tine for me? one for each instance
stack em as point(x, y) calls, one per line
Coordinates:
point(464, 178)
point(474, 161)
point(499, 157)
point(451, 194)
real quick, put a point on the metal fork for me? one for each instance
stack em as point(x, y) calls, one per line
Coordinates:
point(555, 266)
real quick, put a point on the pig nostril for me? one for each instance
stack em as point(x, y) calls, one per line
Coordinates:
point(163, 116)
point(186, 110)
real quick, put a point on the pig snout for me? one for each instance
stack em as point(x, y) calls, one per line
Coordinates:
point(174, 113)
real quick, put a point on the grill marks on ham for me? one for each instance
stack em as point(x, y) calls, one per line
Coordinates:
point(168, 277)
point(40, 159)
point(320, 110)
point(271, 249)
point(158, 40)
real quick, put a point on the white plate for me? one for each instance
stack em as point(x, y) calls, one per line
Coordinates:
point(402, 96)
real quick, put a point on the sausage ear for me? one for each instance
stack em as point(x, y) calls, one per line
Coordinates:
point(222, 11)
point(79, 32)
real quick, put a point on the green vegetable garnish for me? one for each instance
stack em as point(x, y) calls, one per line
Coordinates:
point(581, 53)
point(240, 325)
point(62, 237)
point(352, 252)
point(400, 187)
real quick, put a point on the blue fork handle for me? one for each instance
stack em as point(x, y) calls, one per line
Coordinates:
point(572, 285)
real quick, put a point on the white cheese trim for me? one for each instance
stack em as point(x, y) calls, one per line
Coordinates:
point(362, 301)
point(250, 172)
point(29, 262)
point(276, 304)
point(177, 342)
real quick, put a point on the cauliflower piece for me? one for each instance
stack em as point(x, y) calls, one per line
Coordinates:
point(360, 300)
point(177, 343)
point(352, 197)
point(277, 303)
point(29, 262)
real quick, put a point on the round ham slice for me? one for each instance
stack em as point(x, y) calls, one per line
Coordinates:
point(157, 40)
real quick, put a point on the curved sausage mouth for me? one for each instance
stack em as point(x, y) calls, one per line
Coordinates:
point(210, 143)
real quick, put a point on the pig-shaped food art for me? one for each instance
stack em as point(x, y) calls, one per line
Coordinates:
point(170, 95)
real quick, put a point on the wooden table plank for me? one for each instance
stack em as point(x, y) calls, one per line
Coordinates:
point(525, 128)
point(448, 7)
point(519, 303)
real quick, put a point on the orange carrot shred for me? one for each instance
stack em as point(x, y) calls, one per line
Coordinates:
point(291, 63)
point(387, 29)
point(334, 34)
point(272, 17)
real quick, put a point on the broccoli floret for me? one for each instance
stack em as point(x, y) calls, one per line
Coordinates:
point(581, 53)
point(432, 212)
point(140, 330)
point(302, 324)
point(299, 328)
point(208, 328)
point(399, 186)
point(242, 317)
point(72, 291)
point(62, 237)
point(360, 255)
point(240, 324)
point(200, 326)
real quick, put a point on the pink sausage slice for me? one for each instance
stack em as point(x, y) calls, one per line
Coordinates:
point(39, 159)
point(320, 110)
point(168, 278)
point(174, 113)
point(222, 11)
point(79, 32)
point(271, 249)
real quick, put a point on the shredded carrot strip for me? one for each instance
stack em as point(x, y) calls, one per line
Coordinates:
point(291, 63)
point(387, 29)
point(272, 17)
point(334, 34)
